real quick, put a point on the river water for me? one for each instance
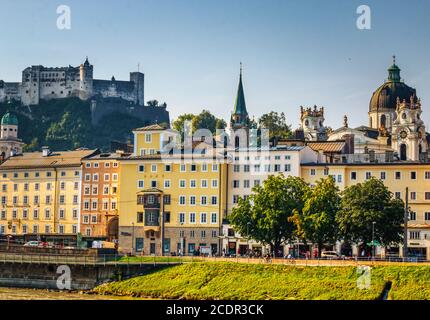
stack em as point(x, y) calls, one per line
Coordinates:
point(37, 294)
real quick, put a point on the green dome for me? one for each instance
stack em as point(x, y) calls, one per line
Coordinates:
point(9, 119)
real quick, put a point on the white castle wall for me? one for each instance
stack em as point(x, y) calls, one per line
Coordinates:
point(39, 83)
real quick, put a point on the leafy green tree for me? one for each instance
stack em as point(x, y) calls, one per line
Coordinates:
point(206, 120)
point(365, 203)
point(276, 123)
point(317, 223)
point(32, 146)
point(264, 215)
point(70, 132)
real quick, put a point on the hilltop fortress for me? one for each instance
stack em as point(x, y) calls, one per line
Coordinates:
point(42, 83)
point(107, 96)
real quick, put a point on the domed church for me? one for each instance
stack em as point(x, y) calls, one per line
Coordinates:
point(10, 145)
point(395, 122)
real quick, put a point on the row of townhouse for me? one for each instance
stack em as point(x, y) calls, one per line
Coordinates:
point(161, 204)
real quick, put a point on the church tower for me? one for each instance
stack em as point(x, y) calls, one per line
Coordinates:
point(239, 118)
point(312, 123)
point(383, 104)
point(10, 145)
point(408, 131)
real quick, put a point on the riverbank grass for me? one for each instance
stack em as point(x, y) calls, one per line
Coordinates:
point(223, 280)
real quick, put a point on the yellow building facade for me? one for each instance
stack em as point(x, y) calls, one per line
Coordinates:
point(169, 204)
point(40, 195)
point(398, 177)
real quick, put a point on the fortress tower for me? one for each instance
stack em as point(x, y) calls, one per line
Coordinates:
point(85, 80)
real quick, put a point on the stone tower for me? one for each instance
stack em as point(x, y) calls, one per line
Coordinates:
point(312, 122)
point(408, 136)
point(138, 78)
point(85, 80)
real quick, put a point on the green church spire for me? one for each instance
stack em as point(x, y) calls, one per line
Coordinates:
point(240, 114)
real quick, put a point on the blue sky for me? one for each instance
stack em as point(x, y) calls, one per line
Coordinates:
point(294, 52)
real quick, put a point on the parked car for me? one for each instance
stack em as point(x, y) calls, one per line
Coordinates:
point(330, 255)
point(32, 244)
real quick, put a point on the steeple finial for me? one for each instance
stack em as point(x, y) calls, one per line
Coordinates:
point(241, 69)
point(394, 59)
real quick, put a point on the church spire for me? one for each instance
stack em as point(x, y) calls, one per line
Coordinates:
point(240, 114)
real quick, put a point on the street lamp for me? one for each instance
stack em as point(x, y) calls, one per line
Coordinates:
point(132, 240)
point(373, 239)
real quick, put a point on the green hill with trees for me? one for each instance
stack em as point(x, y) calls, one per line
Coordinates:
point(65, 124)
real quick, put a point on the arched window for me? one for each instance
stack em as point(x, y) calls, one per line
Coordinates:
point(383, 121)
point(403, 151)
point(236, 142)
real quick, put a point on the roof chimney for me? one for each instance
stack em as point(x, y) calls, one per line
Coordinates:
point(45, 151)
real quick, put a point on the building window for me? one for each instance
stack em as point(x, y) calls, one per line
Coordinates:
point(192, 217)
point(154, 168)
point(214, 234)
point(414, 235)
point(413, 195)
point(246, 184)
point(47, 214)
point(166, 199)
point(383, 175)
point(412, 216)
point(166, 184)
point(413, 175)
point(398, 175)
point(167, 168)
point(204, 183)
point(312, 172)
point(427, 175)
point(203, 234)
point(193, 168)
point(192, 183)
point(140, 184)
point(235, 199)
point(368, 175)
point(193, 200)
point(214, 200)
point(203, 200)
point(214, 183)
point(235, 183)
point(214, 218)
point(326, 171)
point(182, 217)
point(204, 167)
point(141, 168)
point(167, 217)
point(214, 168)
point(398, 195)
point(183, 168)
point(62, 214)
point(182, 200)
point(427, 195)
point(427, 216)
point(139, 217)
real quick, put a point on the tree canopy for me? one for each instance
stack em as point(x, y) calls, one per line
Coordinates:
point(317, 223)
point(276, 123)
point(365, 203)
point(264, 215)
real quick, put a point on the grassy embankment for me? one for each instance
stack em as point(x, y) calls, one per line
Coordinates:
point(247, 281)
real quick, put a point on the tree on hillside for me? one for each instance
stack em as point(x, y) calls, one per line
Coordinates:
point(70, 132)
point(276, 123)
point(264, 215)
point(317, 223)
point(365, 203)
